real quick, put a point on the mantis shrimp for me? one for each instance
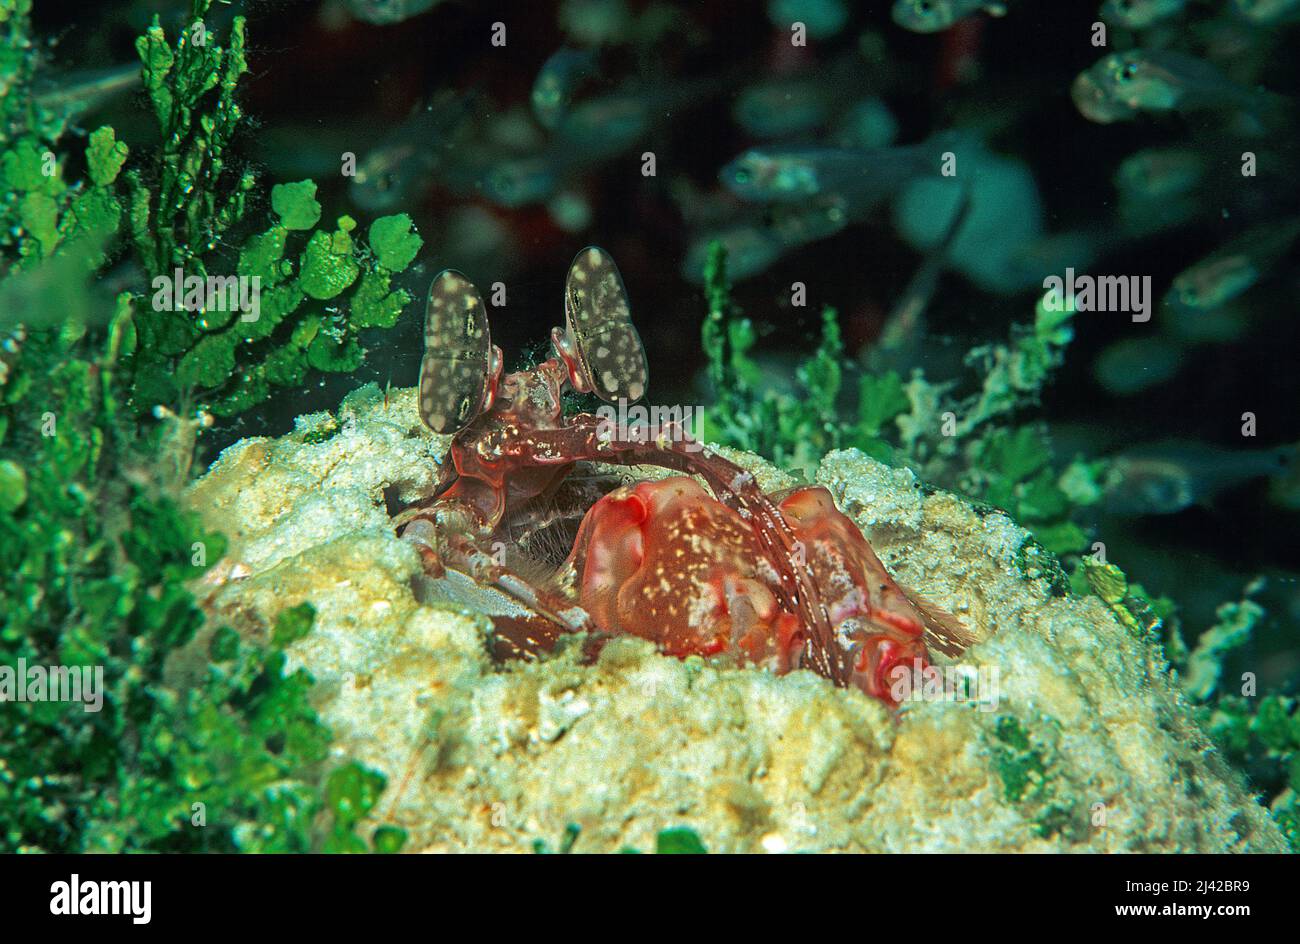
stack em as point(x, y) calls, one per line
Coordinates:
point(784, 581)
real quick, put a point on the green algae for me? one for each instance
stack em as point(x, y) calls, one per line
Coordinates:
point(679, 841)
point(184, 204)
point(295, 204)
point(1204, 666)
point(1027, 770)
point(1263, 737)
point(99, 559)
point(969, 443)
point(96, 570)
point(1130, 604)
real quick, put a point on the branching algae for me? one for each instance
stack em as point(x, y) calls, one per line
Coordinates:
point(96, 553)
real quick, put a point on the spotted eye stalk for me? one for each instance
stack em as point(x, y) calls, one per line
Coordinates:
point(461, 366)
point(599, 345)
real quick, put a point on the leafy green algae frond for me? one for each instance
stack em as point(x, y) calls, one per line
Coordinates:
point(194, 739)
point(319, 288)
point(189, 212)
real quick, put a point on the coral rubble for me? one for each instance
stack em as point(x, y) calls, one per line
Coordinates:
point(1089, 747)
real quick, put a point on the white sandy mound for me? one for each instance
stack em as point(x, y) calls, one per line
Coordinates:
point(1090, 746)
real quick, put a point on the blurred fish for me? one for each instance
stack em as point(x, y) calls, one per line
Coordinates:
point(393, 172)
point(557, 82)
point(1159, 188)
point(778, 108)
point(1222, 325)
point(387, 11)
point(1268, 12)
point(512, 129)
point(592, 132)
point(750, 250)
point(823, 19)
point(1232, 269)
point(863, 177)
point(1123, 84)
point(519, 182)
point(799, 224)
point(1131, 365)
point(482, 239)
point(994, 248)
point(1168, 477)
point(1284, 490)
point(1032, 261)
point(597, 22)
point(761, 236)
point(1159, 172)
point(867, 123)
point(933, 16)
point(1140, 14)
point(608, 125)
point(570, 211)
point(75, 92)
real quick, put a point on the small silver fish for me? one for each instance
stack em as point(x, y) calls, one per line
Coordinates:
point(863, 177)
point(606, 126)
point(1168, 477)
point(1140, 14)
point(1233, 269)
point(1121, 85)
point(1268, 12)
point(934, 16)
point(783, 175)
point(405, 159)
point(523, 181)
point(750, 250)
point(558, 81)
point(1159, 172)
point(590, 133)
point(779, 108)
point(387, 11)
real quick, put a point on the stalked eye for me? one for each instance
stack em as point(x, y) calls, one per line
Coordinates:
point(456, 372)
point(599, 325)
